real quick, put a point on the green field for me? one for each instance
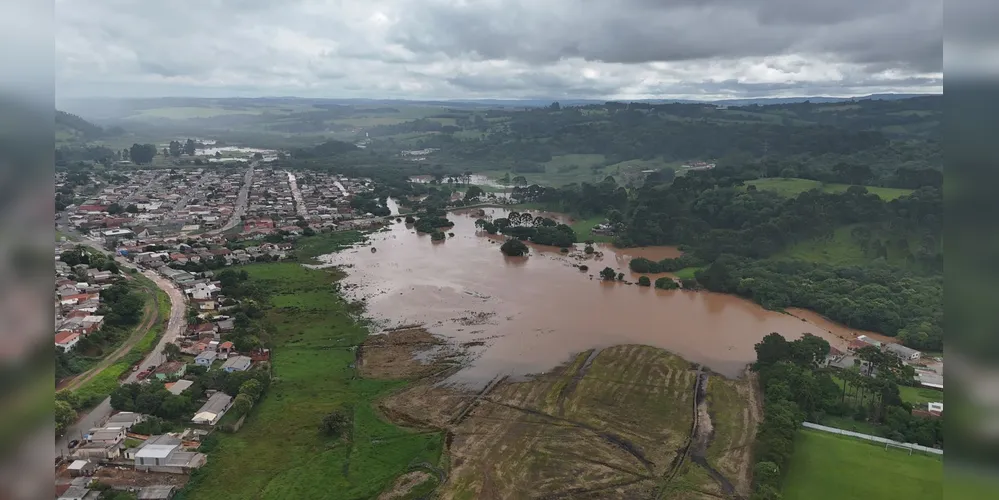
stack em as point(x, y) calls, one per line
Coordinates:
point(920, 395)
point(840, 250)
point(279, 452)
point(584, 228)
point(828, 466)
point(687, 273)
point(789, 186)
point(310, 247)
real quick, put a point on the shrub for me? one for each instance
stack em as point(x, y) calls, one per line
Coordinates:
point(665, 283)
point(644, 281)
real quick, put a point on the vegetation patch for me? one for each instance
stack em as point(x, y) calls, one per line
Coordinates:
point(794, 186)
point(280, 451)
point(309, 247)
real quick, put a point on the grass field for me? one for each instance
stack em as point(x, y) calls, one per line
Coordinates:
point(828, 466)
point(584, 230)
point(310, 247)
point(279, 453)
point(842, 250)
point(920, 395)
point(789, 186)
point(687, 273)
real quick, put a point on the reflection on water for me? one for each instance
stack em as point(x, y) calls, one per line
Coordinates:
point(534, 312)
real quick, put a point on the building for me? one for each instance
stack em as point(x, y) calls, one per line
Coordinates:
point(206, 358)
point(237, 364)
point(178, 387)
point(156, 492)
point(82, 468)
point(124, 419)
point(67, 340)
point(904, 353)
point(213, 409)
point(75, 493)
point(163, 453)
point(170, 369)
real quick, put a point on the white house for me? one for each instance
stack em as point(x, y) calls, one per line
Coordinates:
point(213, 409)
point(237, 364)
point(206, 358)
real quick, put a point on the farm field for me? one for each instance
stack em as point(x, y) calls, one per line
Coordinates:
point(608, 424)
point(279, 453)
point(841, 249)
point(789, 186)
point(828, 466)
point(584, 230)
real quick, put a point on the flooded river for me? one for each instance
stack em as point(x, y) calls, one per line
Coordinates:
point(529, 314)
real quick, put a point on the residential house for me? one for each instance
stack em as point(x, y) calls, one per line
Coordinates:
point(176, 388)
point(67, 340)
point(226, 348)
point(156, 492)
point(170, 369)
point(124, 419)
point(163, 453)
point(206, 358)
point(213, 409)
point(76, 493)
point(237, 364)
point(82, 468)
point(226, 325)
point(902, 352)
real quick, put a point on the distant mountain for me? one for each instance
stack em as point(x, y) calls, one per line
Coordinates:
point(70, 128)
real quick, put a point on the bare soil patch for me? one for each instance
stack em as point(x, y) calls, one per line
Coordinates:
point(404, 484)
point(405, 354)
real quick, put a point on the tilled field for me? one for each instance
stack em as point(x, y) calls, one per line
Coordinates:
point(624, 422)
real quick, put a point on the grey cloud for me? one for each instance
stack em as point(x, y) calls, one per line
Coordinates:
point(494, 48)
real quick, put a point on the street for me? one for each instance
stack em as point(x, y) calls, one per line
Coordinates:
point(175, 327)
point(241, 199)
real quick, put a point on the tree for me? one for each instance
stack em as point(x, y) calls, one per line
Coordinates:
point(65, 415)
point(514, 247)
point(258, 156)
point(251, 388)
point(588, 249)
point(771, 349)
point(142, 153)
point(190, 147)
point(71, 257)
point(666, 283)
point(473, 193)
point(132, 208)
point(241, 404)
point(608, 274)
point(115, 209)
point(334, 424)
point(766, 473)
point(438, 236)
point(620, 276)
point(520, 180)
point(175, 149)
point(644, 281)
point(171, 351)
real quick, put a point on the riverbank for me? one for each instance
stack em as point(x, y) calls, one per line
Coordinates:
point(279, 452)
point(621, 413)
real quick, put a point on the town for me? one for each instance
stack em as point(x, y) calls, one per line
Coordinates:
point(183, 228)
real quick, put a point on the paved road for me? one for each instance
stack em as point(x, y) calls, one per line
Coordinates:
point(175, 327)
point(296, 194)
point(241, 199)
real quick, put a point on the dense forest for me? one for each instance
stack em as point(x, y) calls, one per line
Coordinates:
point(739, 233)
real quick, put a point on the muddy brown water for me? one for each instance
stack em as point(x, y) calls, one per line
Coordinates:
point(532, 313)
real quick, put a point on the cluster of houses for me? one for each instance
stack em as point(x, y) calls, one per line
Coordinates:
point(154, 202)
point(77, 301)
point(114, 444)
point(927, 376)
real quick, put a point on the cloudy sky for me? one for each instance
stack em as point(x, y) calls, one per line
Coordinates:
point(438, 49)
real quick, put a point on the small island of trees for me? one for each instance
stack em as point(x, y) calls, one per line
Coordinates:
point(514, 248)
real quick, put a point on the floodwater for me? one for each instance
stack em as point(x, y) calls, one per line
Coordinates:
point(526, 315)
point(392, 205)
point(474, 179)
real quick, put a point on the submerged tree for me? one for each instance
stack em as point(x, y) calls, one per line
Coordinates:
point(514, 247)
point(608, 274)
